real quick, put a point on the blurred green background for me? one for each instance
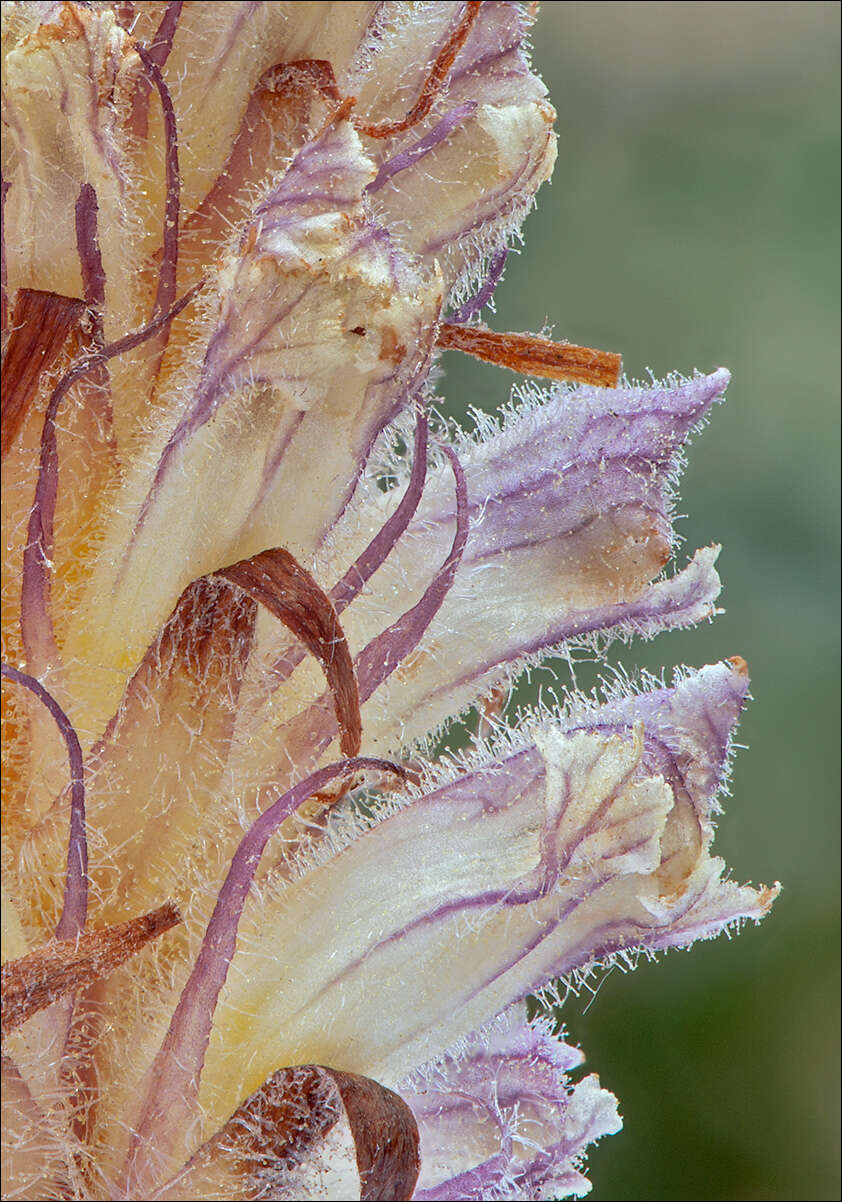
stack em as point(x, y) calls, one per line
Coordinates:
point(692, 222)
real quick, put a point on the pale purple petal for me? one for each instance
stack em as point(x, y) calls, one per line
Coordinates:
point(501, 1118)
point(688, 728)
point(325, 180)
point(581, 453)
point(584, 839)
point(570, 528)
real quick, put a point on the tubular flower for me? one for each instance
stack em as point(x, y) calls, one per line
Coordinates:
point(259, 940)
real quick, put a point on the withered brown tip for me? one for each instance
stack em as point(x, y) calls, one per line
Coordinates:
point(40, 978)
point(533, 356)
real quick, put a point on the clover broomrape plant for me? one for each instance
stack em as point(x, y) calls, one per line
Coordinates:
point(259, 942)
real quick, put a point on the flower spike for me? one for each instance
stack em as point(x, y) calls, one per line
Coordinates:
point(251, 600)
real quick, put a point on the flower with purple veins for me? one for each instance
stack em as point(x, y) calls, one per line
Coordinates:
point(260, 940)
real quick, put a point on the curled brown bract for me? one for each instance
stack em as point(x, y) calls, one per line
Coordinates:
point(277, 580)
point(305, 1125)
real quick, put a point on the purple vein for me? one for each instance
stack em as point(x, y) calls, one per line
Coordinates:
point(474, 304)
point(407, 158)
point(75, 908)
point(169, 252)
